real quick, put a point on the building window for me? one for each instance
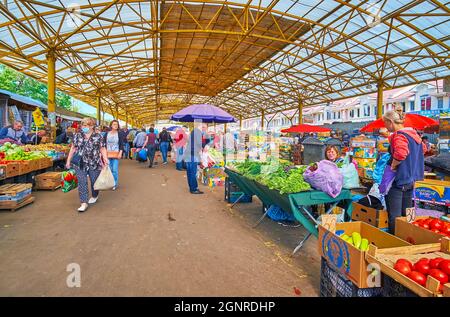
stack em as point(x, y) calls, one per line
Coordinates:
point(358, 113)
point(411, 105)
point(425, 103)
point(440, 102)
point(404, 106)
point(352, 113)
point(339, 115)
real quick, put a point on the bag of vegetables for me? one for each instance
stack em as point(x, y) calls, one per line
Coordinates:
point(325, 176)
point(69, 181)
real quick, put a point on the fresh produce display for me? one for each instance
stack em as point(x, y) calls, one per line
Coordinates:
point(357, 241)
point(275, 174)
point(438, 268)
point(14, 152)
point(47, 147)
point(69, 181)
point(435, 225)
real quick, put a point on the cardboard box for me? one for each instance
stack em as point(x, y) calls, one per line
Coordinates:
point(357, 142)
point(433, 191)
point(348, 259)
point(414, 234)
point(374, 217)
point(49, 180)
point(364, 152)
point(366, 162)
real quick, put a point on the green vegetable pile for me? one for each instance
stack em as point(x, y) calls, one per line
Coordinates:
point(275, 174)
point(16, 153)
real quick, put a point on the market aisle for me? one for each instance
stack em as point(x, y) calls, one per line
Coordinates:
point(126, 244)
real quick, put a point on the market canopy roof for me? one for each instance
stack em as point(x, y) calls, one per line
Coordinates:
point(149, 59)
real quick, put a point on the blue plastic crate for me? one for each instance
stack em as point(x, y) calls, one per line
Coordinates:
point(392, 288)
point(334, 284)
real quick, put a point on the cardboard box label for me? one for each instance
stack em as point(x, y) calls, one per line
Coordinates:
point(335, 250)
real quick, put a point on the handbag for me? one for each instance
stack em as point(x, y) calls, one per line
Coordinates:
point(77, 160)
point(113, 154)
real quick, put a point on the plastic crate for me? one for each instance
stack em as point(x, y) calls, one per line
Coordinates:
point(334, 284)
point(391, 288)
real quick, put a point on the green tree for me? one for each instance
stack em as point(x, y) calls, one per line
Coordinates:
point(21, 84)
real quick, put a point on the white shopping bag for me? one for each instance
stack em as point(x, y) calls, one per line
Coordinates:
point(105, 180)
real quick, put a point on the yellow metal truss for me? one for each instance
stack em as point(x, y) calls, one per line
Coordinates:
point(144, 60)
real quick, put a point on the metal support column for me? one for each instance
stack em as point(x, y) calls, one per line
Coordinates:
point(51, 87)
point(379, 100)
point(300, 111)
point(262, 119)
point(98, 105)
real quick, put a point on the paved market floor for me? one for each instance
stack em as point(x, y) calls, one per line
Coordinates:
point(127, 246)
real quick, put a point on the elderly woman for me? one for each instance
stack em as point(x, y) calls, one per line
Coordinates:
point(88, 156)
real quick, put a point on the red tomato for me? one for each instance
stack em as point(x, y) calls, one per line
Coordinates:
point(417, 277)
point(434, 263)
point(402, 268)
point(444, 266)
point(446, 230)
point(436, 224)
point(426, 260)
point(436, 230)
point(439, 275)
point(422, 267)
point(425, 225)
point(404, 261)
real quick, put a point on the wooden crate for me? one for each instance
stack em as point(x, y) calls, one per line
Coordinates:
point(386, 259)
point(48, 181)
point(34, 165)
point(12, 169)
point(24, 167)
point(45, 163)
point(14, 205)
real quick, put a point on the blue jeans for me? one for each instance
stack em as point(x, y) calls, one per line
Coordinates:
point(151, 150)
point(397, 200)
point(114, 166)
point(164, 146)
point(192, 176)
point(179, 163)
point(126, 150)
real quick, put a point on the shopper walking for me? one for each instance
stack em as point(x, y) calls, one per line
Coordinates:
point(192, 158)
point(165, 140)
point(151, 143)
point(407, 160)
point(87, 156)
point(139, 139)
point(130, 138)
point(114, 140)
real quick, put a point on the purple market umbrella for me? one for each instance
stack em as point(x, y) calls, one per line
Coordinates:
point(206, 113)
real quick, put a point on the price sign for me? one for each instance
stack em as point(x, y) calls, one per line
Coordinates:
point(38, 117)
point(410, 214)
point(329, 222)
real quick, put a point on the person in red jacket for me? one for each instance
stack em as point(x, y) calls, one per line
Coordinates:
point(407, 160)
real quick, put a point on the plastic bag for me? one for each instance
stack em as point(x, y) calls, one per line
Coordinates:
point(142, 155)
point(326, 177)
point(350, 174)
point(380, 167)
point(105, 180)
point(387, 180)
point(69, 181)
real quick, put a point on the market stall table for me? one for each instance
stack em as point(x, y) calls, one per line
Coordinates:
point(295, 203)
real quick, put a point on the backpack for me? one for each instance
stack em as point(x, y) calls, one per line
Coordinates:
point(130, 136)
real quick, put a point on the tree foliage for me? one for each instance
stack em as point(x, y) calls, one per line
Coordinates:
point(21, 84)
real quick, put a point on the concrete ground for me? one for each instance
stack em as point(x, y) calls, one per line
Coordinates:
point(126, 245)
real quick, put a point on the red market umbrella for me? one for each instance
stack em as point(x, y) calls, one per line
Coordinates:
point(411, 121)
point(305, 128)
